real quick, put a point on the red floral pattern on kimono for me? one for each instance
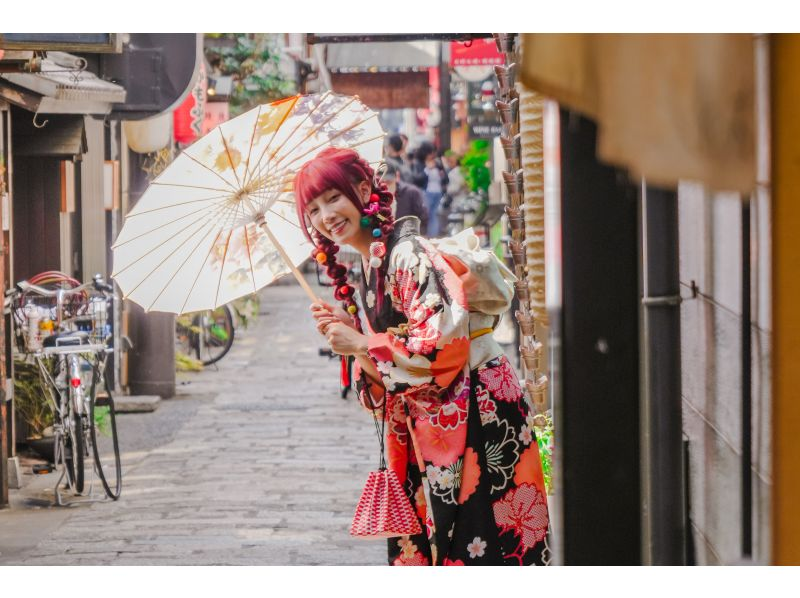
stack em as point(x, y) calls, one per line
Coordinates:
point(461, 463)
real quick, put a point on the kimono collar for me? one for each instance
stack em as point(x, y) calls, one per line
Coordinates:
point(407, 226)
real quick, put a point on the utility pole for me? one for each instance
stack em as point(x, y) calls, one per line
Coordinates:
point(445, 102)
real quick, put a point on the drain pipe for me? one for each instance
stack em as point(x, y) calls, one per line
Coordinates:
point(664, 520)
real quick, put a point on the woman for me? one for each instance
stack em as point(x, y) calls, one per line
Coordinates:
point(477, 486)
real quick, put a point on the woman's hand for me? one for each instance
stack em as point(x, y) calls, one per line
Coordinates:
point(344, 340)
point(326, 314)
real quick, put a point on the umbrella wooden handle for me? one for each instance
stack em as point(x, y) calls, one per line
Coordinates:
point(297, 274)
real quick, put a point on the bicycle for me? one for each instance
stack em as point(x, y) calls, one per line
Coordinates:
point(208, 335)
point(66, 332)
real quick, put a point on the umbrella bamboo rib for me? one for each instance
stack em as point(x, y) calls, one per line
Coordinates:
point(222, 268)
point(160, 226)
point(248, 174)
point(200, 270)
point(250, 259)
point(211, 170)
point(318, 127)
point(173, 205)
point(192, 186)
point(250, 149)
point(162, 262)
point(177, 270)
point(259, 168)
point(339, 134)
point(230, 159)
point(225, 255)
point(206, 216)
point(294, 224)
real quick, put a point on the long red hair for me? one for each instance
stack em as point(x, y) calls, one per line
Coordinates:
point(341, 169)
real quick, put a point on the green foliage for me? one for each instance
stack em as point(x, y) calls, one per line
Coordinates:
point(252, 59)
point(473, 165)
point(30, 400)
point(544, 436)
point(184, 363)
point(102, 420)
point(245, 309)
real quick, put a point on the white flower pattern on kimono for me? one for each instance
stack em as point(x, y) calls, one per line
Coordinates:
point(417, 374)
point(526, 436)
point(501, 458)
point(477, 548)
point(370, 299)
point(448, 482)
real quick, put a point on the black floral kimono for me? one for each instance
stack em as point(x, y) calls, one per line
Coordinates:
point(479, 492)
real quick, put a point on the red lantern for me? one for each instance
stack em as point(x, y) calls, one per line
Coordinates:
point(188, 117)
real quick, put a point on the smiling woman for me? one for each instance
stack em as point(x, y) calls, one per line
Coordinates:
point(459, 432)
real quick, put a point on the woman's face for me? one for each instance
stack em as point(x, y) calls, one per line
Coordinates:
point(335, 216)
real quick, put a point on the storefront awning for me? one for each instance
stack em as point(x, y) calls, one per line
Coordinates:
point(377, 56)
point(668, 107)
point(61, 88)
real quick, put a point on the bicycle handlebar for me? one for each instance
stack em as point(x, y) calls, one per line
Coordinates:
point(96, 283)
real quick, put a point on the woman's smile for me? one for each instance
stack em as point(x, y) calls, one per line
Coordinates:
point(338, 227)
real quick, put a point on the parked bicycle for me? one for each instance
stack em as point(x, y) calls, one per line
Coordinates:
point(207, 335)
point(66, 331)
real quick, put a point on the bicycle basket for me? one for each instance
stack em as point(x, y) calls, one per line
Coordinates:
point(37, 317)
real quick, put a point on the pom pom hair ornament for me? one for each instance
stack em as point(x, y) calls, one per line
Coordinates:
point(376, 251)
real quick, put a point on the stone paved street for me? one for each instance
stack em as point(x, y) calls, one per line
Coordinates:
point(263, 466)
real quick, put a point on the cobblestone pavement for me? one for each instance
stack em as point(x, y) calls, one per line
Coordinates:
point(266, 469)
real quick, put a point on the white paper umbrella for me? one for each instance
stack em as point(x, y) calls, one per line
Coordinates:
point(220, 221)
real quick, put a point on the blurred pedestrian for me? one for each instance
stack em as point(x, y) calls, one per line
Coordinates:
point(394, 156)
point(456, 190)
point(435, 182)
point(408, 199)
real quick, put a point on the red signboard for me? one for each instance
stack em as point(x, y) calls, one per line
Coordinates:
point(188, 117)
point(480, 52)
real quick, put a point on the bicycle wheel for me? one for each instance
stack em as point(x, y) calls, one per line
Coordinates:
point(216, 334)
point(74, 453)
point(105, 444)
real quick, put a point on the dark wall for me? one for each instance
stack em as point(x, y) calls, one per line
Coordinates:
point(37, 206)
point(599, 427)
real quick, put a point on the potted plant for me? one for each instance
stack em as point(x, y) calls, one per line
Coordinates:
point(34, 408)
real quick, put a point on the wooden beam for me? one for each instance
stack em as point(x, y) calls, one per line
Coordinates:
point(785, 131)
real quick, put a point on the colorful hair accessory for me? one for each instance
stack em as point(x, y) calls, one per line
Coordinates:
point(365, 221)
point(376, 232)
point(374, 198)
point(352, 309)
point(321, 258)
point(377, 249)
point(345, 290)
point(372, 210)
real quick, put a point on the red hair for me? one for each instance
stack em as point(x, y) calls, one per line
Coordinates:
point(341, 169)
point(333, 168)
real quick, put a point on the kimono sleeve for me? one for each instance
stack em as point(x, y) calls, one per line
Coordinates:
point(432, 347)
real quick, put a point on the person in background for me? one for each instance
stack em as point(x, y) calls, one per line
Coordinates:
point(404, 151)
point(456, 187)
point(408, 199)
point(394, 156)
point(435, 183)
